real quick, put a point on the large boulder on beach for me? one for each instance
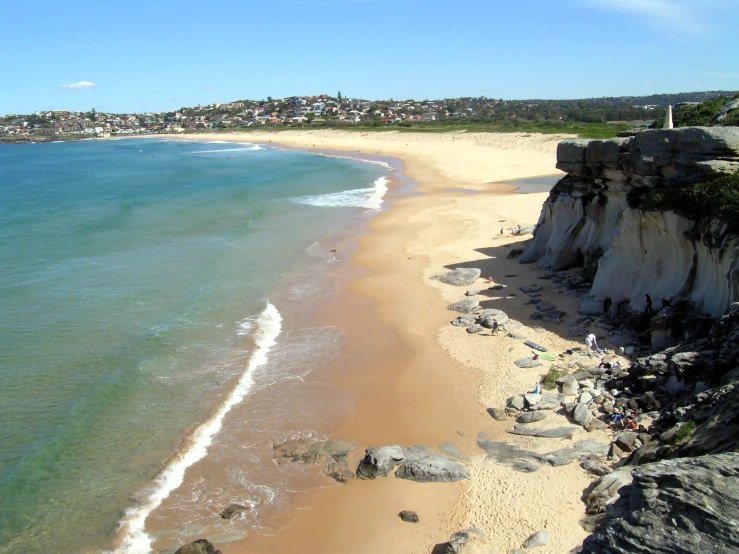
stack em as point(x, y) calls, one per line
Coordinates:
point(460, 277)
point(425, 466)
point(466, 306)
point(379, 462)
point(200, 546)
point(538, 539)
point(685, 505)
point(233, 510)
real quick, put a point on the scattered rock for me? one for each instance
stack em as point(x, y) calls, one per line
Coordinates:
point(532, 417)
point(582, 414)
point(496, 286)
point(553, 316)
point(545, 306)
point(528, 362)
point(535, 315)
point(570, 386)
point(379, 462)
point(605, 490)
point(517, 402)
point(426, 467)
point(472, 292)
point(531, 398)
point(497, 414)
point(408, 516)
point(538, 539)
point(462, 322)
point(472, 329)
point(470, 541)
point(461, 277)
point(233, 510)
point(466, 306)
point(553, 433)
point(514, 253)
point(200, 546)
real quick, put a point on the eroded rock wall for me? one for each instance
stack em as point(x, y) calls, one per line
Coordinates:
point(587, 219)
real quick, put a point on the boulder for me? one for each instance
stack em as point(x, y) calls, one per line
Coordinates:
point(497, 414)
point(532, 417)
point(517, 402)
point(425, 466)
point(472, 329)
point(462, 322)
point(687, 505)
point(545, 306)
point(489, 314)
point(233, 510)
point(200, 546)
point(408, 516)
point(528, 362)
point(379, 462)
point(528, 430)
point(605, 491)
point(582, 414)
point(469, 541)
point(538, 539)
point(570, 386)
point(553, 316)
point(461, 277)
point(531, 398)
point(466, 306)
point(592, 305)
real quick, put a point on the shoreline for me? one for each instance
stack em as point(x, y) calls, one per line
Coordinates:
point(397, 262)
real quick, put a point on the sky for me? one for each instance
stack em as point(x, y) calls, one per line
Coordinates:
point(160, 55)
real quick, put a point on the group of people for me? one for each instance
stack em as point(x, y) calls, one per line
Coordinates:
point(623, 418)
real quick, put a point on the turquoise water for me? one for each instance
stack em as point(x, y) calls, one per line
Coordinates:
point(131, 273)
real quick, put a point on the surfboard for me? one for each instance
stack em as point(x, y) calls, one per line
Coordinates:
point(545, 356)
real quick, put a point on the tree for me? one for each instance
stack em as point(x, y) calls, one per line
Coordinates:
point(339, 96)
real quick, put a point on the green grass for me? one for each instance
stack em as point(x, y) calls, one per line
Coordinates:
point(718, 198)
point(684, 432)
point(581, 129)
point(549, 381)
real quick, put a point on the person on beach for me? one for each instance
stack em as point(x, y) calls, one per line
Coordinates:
point(537, 388)
point(592, 342)
point(489, 280)
point(495, 327)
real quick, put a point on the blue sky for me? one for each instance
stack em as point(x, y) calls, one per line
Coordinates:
point(159, 55)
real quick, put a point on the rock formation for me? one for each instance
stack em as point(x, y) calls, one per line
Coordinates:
point(592, 219)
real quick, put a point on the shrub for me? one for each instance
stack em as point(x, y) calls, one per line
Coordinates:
point(684, 432)
point(549, 381)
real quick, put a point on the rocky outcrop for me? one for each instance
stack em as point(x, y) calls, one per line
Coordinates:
point(592, 219)
point(689, 505)
point(417, 463)
point(309, 450)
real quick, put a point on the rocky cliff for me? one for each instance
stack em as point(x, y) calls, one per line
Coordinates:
point(595, 217)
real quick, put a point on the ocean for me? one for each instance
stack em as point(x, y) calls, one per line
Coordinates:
point(157, 324)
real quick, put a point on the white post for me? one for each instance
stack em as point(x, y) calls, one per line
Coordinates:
point(668, 119)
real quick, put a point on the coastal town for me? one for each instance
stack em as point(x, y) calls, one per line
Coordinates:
point(338, 112)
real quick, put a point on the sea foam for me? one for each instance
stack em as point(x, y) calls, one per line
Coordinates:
point(250, 148)
point(133, 538)
point(369, 198)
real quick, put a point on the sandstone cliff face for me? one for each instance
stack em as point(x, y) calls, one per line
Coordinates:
point(587, 219)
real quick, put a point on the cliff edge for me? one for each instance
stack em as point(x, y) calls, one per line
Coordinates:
point(618, 213)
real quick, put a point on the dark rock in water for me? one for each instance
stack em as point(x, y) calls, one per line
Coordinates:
point(497, 414)
point(688, 505)
point(531, 431)
point(461, 277)
point(530, 289)
point(306, 450)
point(466, 306)
point(379, 462)
point(535, 315)
point(472, 329)
point(528, 362)
point(232, 510)
point(408, 516)
point(535, 346)
point(338, 469)
point(538, 539)
point(200, 546)
point(469, 541)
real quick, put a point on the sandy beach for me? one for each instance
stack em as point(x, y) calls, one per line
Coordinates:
point(435, 387)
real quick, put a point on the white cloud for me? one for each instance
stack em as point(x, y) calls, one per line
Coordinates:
point(672, 15)
point(81, 85)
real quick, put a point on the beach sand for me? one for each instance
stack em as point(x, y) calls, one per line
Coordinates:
point(436, 387)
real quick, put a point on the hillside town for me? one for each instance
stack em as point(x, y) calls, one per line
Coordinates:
point(339, 111)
